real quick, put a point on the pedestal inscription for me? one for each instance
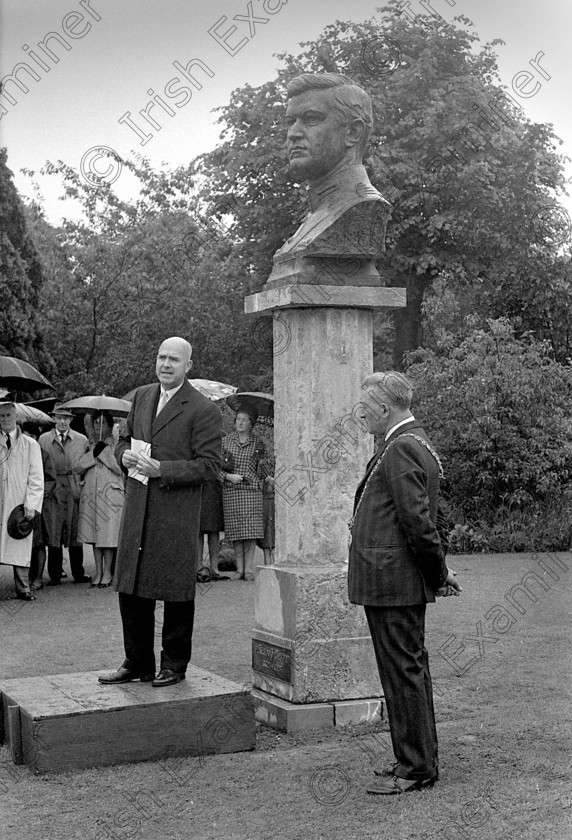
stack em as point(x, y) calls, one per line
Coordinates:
point(272, 660)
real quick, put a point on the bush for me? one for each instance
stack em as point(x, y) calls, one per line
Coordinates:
point(497, 409)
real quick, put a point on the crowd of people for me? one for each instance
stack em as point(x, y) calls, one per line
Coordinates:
point(69, 490)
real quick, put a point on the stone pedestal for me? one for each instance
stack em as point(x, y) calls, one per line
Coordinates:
point(310, 646)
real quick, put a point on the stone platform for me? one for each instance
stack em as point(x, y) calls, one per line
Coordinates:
point(280, 714)
point(70, 721)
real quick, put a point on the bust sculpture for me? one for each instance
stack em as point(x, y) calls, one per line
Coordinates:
point(330, 119)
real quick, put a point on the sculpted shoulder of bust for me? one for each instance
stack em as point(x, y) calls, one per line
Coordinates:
point(329, 121)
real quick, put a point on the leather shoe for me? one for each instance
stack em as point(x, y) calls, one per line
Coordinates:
point(389, 770)
point(83, 579)
point(396, 786)
point(168, 677)
point(124, 675)
point(25, 596)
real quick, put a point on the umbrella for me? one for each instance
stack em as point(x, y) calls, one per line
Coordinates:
point(208, 387)
point(28, 414)
point(17, 375)
point(213, 390)
point(255, 402)
point(46, 404)
point(95, 404)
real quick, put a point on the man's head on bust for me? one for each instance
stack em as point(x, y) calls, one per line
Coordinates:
point(329, 119)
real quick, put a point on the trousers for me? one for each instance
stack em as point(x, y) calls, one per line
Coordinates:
point(55, 560)
point(138, 619)
point(398, 636)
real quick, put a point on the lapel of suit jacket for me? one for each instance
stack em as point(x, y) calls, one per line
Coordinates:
point(371, 464)
point(172, 409)
point(402, 429)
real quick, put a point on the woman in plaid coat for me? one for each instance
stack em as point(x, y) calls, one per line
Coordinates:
point(242, 475)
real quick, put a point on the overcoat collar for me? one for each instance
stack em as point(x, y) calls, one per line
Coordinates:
point(57, 439)
point(153, 424)
point(15, 441)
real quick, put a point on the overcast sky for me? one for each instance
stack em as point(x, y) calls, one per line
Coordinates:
point(106, 55)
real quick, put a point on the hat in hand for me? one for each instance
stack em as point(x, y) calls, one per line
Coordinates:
point(18, 526)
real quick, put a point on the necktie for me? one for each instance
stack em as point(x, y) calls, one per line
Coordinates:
point(162, 402)
point(8, 440)
point(63, 439)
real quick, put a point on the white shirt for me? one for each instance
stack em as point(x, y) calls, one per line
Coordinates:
point(397, 426)
point(166, 395)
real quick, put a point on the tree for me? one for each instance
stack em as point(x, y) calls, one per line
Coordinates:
point(21, 279)
point(128, 274)
point(467, 191)
point(498, 408)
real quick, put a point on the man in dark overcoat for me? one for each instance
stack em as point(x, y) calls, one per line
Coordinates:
point(65, 446)
point(171, 443)
point(397, 566)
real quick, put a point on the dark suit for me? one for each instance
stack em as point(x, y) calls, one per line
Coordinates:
point(158, 539)
point(396, 563)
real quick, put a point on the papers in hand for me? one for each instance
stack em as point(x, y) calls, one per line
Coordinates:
point(139, 447)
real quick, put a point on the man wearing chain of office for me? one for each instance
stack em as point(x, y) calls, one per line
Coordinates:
point(397, 566)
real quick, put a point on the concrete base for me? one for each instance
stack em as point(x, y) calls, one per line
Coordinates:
point(70, 721)
point(293, 717)
point(310, 645)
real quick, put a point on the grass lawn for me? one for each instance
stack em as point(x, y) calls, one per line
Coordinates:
point(502, 670)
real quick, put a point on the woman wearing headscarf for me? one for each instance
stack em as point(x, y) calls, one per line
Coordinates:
point(242, 474)
point(102, 495)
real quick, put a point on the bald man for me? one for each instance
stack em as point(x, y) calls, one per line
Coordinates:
point(171, 443)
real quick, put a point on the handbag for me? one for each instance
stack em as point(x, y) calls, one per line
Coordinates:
point(227, 461)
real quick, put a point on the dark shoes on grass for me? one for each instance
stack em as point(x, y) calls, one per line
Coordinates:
point(394, 786)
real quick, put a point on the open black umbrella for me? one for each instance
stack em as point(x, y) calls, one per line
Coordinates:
point(255, 402)
point(17, 375)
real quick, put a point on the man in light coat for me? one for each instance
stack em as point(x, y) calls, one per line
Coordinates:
point(397, 566)
point(170, 445)
point(66, 447)
point(21, 483)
